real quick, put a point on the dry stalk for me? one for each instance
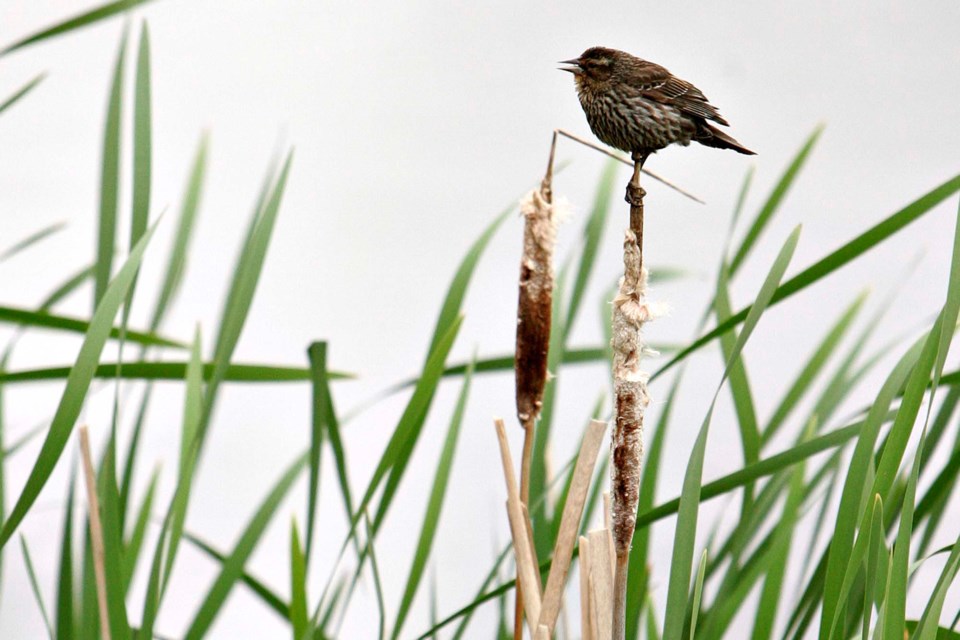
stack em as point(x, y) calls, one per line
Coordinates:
point(96, 532)
point(533, 327)
point(630, 313)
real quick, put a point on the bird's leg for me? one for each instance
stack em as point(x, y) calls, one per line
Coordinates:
point(635, 192)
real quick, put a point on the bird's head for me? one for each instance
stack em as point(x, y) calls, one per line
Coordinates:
point(595, 66)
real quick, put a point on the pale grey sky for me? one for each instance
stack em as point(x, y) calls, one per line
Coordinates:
point(414, 124)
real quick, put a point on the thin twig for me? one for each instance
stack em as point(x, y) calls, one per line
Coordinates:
point(96, 532)
point(627, 162)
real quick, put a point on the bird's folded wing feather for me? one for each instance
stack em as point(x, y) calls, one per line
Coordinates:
point(668, 89)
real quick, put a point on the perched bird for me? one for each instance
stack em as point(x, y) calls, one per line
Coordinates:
point(640, 107)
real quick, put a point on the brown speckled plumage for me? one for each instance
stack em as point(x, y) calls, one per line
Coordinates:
point(640, 107)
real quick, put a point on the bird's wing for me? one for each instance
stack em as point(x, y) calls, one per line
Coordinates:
point(683, 95)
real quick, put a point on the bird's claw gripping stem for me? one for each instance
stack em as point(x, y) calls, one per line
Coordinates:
point(634, 195)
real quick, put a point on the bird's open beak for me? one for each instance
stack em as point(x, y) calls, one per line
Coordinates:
point(575, 66)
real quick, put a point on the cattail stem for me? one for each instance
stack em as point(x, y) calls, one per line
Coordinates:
point(534, 313)
point(630, 313)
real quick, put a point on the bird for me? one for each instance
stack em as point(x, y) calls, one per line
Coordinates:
point(640, 107)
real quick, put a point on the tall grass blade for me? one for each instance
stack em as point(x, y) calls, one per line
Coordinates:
point(65, 598)
point(772, 205)
point(35, 587)
point(78, 382)
point(110, 179)
point(113, 544)
point(681, 563)
point(431, 518)
point(325, 412)
point(177, 261)
point(298, 584)
point(832, 262)
point(233, 565)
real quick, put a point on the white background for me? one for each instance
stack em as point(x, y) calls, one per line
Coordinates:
point(414, 124)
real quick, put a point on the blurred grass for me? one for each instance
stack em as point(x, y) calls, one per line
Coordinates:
point(831, 526)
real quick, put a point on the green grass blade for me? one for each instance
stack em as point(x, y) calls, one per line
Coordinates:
point(772, 592)
point(34, 238)
point(592, 233)
point(321, 399)
point(233, 565)
point(142, 140)
point(812, 368)
point(46, 320)
point(681, 563)
point(177, 261)
point(431, 518)
point(773, 202)
point(113, 544)
point(697, 594)
point(927, 627)
point(739, 385)
point(848, 513)
point(298, 584)
point(95, 15)
point(35, 587)
point(832, 262)
point(65, 599)
point(175, 370)
point(21, 92)
point(243, 286)
point(322, 395)
point(134, 544)
point(457, 291)
point(110, 179)
point(377, 585)
point(638, 576)
point(400, 447)
point(270, 598)
point(130, 462)
point(895, 613)
point(78, 382)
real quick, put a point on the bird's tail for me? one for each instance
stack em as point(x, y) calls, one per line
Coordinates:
point(710, 136)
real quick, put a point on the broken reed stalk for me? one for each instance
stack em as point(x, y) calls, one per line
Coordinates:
point(630, 313)
point(534, 310)
point(96, 532)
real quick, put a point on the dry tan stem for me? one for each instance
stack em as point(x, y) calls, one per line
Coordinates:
point(570, 523)
point(630, 313)
point(96, 532)
point(587, 624)
point(534, 309)
point(601, 582)
point(527, 566)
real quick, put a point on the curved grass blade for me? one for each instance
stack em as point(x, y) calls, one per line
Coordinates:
point(681, 563)
point(233, 565)
point(34, 586)
point(434, 506)
point(142, 140)
point(697, 594)
point(377, 585)
point(46, 320)
point(78, 382)
point(110, 179)
point(830, 263)
point(34, 238)
point(20, 93)
point(773, 202)
point(927, 627)
point(176, 263)
point(97, 14)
